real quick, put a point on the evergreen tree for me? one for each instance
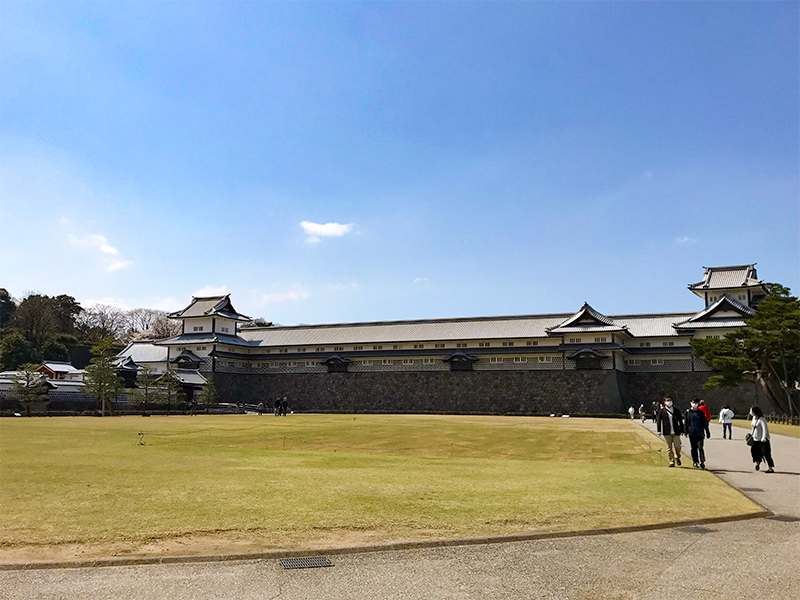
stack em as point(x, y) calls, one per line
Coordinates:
point(208, 395)
point(171, 386)
point(767, 351)
point(15, 351)
point(102, 380)
point(29, 387)
point(147, 392)
point(7, 307)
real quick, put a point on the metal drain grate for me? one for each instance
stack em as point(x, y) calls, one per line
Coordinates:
point(309, 562)
point(752, 489)
point(785, 518)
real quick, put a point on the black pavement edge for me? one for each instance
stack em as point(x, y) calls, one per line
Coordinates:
point(276, 554)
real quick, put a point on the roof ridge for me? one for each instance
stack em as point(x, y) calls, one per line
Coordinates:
point(408, 322)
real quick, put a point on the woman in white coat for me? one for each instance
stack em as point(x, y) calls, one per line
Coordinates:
point(761, 449)
point(726, 418)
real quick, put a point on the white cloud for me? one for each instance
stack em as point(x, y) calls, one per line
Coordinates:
point(685, 240)
point(316, 231)
point(287, 296)
point(421, 280)
point(119, 264)
point(211, 290)
point(65, 221)
point(340, 287)
point(93, 241)
point(647, 175)
point(106, 301)
point(168, 304)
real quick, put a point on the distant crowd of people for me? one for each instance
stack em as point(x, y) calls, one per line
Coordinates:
point(693, 424)
point(281, 406)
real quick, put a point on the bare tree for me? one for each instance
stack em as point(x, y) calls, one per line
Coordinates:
point(142, 319)
point(164, 327)
point(101, 321)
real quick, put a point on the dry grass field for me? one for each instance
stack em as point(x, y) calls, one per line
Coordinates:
point(84, 487)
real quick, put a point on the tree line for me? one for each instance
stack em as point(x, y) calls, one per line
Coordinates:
point(40, 327)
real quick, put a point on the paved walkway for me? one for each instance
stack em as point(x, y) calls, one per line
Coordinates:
point(757, 558)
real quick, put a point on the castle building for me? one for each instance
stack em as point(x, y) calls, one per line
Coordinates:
point(582, 362)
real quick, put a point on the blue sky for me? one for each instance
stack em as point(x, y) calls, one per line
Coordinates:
point(336, 161)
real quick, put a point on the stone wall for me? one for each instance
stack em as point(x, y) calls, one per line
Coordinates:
point(449, 392)
point(643, 388)
point(508, 392)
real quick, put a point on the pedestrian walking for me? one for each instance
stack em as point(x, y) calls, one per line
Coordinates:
point(656, 408)
point(277, 406)
point(706, 410)
point(670, 424)
point(260, 408)
point(726, 418)
point(642, 414)
point(761, 449)
point(285, 405)
point(697, 430)
point(631, 412)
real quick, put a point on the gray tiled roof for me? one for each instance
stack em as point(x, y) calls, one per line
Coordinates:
point(705, 318)
point(190, 377)
point(144, 352)
point(486, 328)
point(587, 320)
point(210, 306)
point(718, 278)
point(58, 366)
point(206, 337)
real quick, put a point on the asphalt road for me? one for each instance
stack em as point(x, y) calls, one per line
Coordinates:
point(757, 558)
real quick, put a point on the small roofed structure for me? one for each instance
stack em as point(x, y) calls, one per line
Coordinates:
point(187, 360)
point(587, 320)
point(460, 361)
point(336, 363)
point(741, 282)
point(61, 370)
point(723, 313)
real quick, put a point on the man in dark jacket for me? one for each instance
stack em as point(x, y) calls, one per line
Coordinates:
point(670, 424)
point(697, 430)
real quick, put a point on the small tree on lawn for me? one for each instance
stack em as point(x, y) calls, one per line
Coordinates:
point(102, 380)
point(171, 386)
point(147, 391)
point(209, 396)
point(29, 387)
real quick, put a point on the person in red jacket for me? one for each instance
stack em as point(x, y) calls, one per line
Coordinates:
point(706, 411)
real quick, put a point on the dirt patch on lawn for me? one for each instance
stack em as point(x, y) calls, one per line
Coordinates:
point(197, 544)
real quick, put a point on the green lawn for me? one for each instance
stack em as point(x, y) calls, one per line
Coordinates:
point(779, 428)
point(260, 483)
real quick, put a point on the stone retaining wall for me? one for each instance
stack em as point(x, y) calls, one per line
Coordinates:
point(520, 392)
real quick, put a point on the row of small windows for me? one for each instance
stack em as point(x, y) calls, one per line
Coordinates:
point(635, 362)
point(202, 328)
point(647, 344)
point(597, 340)
point(400, 346)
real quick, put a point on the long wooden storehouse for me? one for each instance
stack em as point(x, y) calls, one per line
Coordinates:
point(585, 361)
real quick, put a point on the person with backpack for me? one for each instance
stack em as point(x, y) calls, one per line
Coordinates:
point(697, 430)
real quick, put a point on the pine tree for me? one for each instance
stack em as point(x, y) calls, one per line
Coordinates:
point(102, 380)
point(29, 387)
point(147, 391)
point(209, 396)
